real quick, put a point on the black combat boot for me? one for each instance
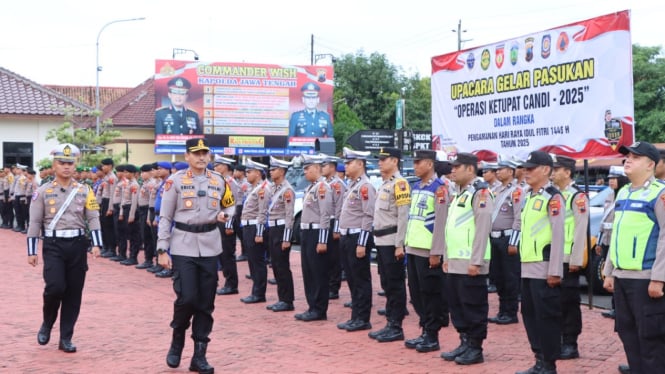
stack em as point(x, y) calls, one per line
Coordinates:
point(473, 353)
point(535, 369)
point(392, 333)
point(175, 351)
point(199, 362)
point(463, 345)
point(430, 342)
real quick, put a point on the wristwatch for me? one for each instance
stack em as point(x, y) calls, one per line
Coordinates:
point(161, 251)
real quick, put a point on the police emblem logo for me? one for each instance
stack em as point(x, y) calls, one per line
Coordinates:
point(514, 53)
point(470, 61)
point(546, 46)
point(67, 151)
point(555, 206)
point(485, 59)
point(562, 42)
point(179, 83)
point(499, 56)
point(528, 45)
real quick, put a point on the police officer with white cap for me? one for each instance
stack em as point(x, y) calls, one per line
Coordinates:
point(194, 200)
point(253, 226)
point(61, 210)
point(281, 202)
point(314, 231)
point(355, 225)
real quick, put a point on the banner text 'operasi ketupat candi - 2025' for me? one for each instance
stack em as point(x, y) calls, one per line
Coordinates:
point(242, 108)
point(567, 90)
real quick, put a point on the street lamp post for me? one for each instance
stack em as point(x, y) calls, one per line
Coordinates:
point(99, 68)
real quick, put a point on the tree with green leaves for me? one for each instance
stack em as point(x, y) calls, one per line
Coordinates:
point(649, 93)
point(74, 130)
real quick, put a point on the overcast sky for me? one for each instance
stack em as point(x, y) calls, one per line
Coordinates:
point(53, 41)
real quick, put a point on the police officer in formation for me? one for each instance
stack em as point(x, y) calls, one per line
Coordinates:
point(63, 211)
point(227, 258)
point(503, 240)
point(194, 201)
point(107, 192)
point(541, 254)
point(466, 259)
point(314, 231)
point(576, 222)
point(427, 213)
point(253, 220)
point(329, 171)
point(355, 225)
point(635, 266)
point(391, 211)
point(281, 202)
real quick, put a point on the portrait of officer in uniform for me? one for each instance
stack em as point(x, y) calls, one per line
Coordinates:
point(310, 122)
point(61, 211)
point(176, 118)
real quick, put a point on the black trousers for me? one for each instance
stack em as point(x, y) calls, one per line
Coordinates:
point(467, 297)
point(145, 231)
point(640, 322)
point(65, 265)
point(228, 258)
point(360, 275)
point(194, 283)
point(153, 229)
point(116, 234)
point(506, 276)
point(315, 272)
point(392, 276)
point(238, 229)
point(334, 253)
point(134, 233)
point(427, 288)
point(8, 211)
point(106, 222)
point(19, 210)
point(256, 257)
point(541, 313)
point(281, 264)
point(123, 231)
point(571, 314)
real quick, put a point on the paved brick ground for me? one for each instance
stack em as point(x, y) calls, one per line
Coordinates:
point(123, 328)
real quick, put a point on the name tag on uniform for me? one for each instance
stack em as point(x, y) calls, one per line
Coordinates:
point(201, 193)
point(636, 205)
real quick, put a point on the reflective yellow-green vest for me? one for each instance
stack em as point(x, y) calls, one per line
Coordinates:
point(569, 223)
point(421, 215)
point(635, 229)
point(461, 227)
point(536, 227)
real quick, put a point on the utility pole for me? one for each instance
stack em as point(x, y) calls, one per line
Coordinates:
point(311, 52)
point(459, 32)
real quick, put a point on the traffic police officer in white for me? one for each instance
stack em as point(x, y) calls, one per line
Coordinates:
point(194, 200)
point(64, 209)
point(355, 225)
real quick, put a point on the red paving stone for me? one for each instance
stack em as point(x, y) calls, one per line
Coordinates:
point(124, 328)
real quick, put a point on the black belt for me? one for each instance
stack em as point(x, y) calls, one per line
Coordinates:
point(384, 232)
point(196, 228)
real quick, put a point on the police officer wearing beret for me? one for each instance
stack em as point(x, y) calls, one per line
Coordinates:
point(314, 230)
point(176, 119)
point(635, 266)
point(310, 122)
point(281, 201)
point(391, 213)
point(107, 187)
point(355, 225)
point(61, 210)
point(194, 200)
point(466, 259)
point(577, 220)
point(541, 253)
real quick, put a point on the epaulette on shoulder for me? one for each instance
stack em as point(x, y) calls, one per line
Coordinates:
point(552, 190)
